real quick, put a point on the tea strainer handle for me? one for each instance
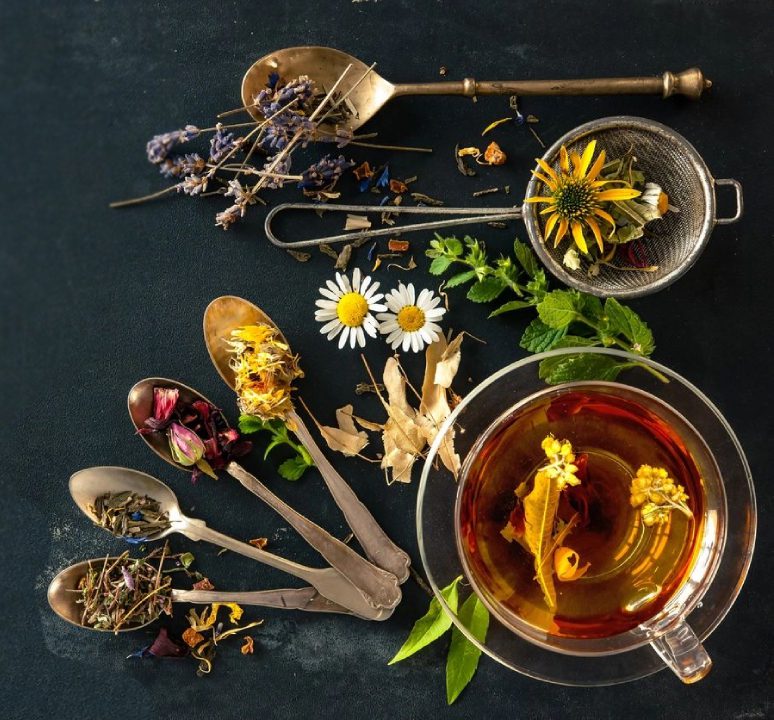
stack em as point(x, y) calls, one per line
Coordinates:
point(683, 653)
point(739, 200)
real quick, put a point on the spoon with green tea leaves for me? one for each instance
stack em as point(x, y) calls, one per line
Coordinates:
point(119, 594)
point(366, 92)
point(223, 317)
point(182, 427)
point(90, 485)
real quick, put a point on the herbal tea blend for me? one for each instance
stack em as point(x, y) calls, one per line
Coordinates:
point(581, 513)
point(124, 592)
point(129, 516)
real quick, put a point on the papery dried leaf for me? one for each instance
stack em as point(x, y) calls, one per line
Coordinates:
point(346, 438)
point(367, 424)
point(357, 222)
point(449, 363)
point(395, 385)
point(540, 507)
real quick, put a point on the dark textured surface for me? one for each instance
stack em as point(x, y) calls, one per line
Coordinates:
point(94, 299)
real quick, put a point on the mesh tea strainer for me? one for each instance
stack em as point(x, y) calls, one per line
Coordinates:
point(673, 243)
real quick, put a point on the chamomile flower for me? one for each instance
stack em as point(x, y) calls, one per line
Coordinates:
point(346, 309)
point(411, 320)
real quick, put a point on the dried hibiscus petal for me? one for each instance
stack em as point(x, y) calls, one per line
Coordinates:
point(164, 402)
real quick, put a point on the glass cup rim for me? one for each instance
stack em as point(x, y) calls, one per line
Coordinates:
point(537, 358)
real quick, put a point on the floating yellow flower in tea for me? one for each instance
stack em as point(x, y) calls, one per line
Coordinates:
point(264, 371)
point(657, 494)
point(576, 196)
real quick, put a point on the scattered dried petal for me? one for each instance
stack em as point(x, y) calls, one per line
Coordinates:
point(260, 542)
point(191, 637)
point(495, 124)
point(357, 222)
point(494, 155)
point(203, 584)
point(395, 245)
point(247, 645)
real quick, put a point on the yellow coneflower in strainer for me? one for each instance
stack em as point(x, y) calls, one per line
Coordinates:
point(577, 196)
point(264, 370)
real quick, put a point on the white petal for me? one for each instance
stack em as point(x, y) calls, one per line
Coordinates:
point(390, 325)
point(412, 294)
point(344, 336)
point(434, 302)
point(356, 281)
point(370, 329)
point(415, 342)
point(329, 294)
point(427, 336)
point(377, 308)
point(364, 285)
point(394, 304)
point(327, 304)
point(361, 337)
point(329, 326)
point(343, 283)
point(353, 337)
point(396, 342)
point(395, 334)
point(375, 297)
point(435, 314)
point(404, 294)
point(323, 315)
point(424, 296)
point(432, 327)
point(406, 342)
point(334, 288)
point(336, 330)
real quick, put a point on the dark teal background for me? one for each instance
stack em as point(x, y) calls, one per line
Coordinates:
point(94, 299)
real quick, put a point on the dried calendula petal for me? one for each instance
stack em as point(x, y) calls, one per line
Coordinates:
point(191, 637)
point(494, 154)
point(395, 245)
point(567, 565)
point(247, 645)
point(462, 152)
point(494, 124)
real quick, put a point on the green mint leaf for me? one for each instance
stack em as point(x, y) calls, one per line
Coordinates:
point(625, 321)
point(431, 625)
point(463, 657)
point(512, 305)
point(293, 468)
point(186, 560)
point(440, 265)
point(559, 308)
point(575, 341)
point(461, 278)
point(591, 307)
point(539, 337)
point(583, 366)
point(486, 290)
point(526, 258)
point(251, 424)
point(276, 442)
point(538, 286)
point(452, 245)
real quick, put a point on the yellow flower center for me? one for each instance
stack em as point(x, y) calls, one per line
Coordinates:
point(352, 309)
point(411, 318)
point(574, 199)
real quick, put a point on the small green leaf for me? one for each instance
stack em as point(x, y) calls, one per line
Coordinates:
point(485, 290)
point(451, 244)
point(186, 560)
point(463, 657)
point(591, 306)
point(276, 442)
point(526, 258)
point(559, 308)
point(539, 337)
point(569, 341)
point(538, 286)
point(583, 366)
point(625, 321)
point(251, 424)
point(512, 305)
point(440, 265)
point(293, 468)
point(431, 625)
point(455, 280)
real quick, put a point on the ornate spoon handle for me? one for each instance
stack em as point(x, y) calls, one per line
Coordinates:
point(379, 588)
point(307, 599)
point(378, 547)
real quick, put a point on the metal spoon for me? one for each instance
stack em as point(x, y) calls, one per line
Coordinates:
point(227, 313)
point(378, 587)
point(325, 65)
point(87, 485)
point(63, 594)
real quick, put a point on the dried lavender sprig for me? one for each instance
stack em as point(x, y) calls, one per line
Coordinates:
point(159, 146)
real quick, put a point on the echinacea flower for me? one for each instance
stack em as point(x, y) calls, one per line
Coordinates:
point(347, 307)
point(411, 320)
point(576, 196)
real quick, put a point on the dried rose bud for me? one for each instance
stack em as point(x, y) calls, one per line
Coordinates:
point(188, 448)
point(494, 154)
point(164, 402)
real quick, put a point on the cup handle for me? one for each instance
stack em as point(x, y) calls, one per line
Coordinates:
point(681, 650)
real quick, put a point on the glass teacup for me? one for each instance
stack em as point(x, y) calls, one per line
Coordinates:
point(709, 586)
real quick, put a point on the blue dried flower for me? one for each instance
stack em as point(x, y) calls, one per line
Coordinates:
point(325, 173)
point(159, 146)
point(273, 80)
point(221, 143)
point(383, 181)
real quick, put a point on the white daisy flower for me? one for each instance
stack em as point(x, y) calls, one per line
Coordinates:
point(411, 320)
point(347, 306)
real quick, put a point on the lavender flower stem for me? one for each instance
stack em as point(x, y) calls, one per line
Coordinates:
point(393, 147)
point(138, 200)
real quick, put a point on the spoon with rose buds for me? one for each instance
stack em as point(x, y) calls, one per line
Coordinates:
point(378, 587)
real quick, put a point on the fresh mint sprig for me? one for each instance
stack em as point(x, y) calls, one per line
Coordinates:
point(292, 468)
point(565, 318)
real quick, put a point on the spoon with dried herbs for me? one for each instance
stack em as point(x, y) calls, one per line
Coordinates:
point(119, 594)
point(240, 338)
point(86, 486)
point(370, 94)
point(160, 410)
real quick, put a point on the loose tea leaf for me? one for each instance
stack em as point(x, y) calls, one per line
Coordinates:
point(432, 625)
point(463, 657)
point(129, 515)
